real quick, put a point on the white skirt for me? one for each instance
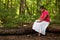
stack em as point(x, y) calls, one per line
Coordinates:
point(40, 27)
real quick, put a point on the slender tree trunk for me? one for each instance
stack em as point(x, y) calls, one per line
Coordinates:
point(28, 9)
point(11, 4)
point(7, 4)
point(22, 6)
point(58, 5)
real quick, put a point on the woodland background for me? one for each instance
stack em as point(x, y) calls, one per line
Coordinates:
point(14, 12)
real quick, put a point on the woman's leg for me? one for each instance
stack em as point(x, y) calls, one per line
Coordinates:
point(39, 34)
point(36, 27)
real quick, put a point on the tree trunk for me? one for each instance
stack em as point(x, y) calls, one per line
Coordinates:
point(11, 4)
point(58, 5)
point(7, 4)
point(22, 6)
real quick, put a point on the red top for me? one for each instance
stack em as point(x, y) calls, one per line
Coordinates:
point(45, 16)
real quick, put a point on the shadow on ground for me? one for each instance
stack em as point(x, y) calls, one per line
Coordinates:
point(49, 36)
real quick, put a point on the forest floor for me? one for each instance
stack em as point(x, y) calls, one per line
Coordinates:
point(49, 36)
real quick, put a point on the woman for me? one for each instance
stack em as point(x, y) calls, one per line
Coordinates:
point(42, 23)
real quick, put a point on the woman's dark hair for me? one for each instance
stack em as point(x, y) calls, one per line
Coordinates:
point(42, 7)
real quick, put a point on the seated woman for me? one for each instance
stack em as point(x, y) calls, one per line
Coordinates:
point(42, 23)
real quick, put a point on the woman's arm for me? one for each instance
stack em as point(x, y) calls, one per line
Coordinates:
point(43, 16)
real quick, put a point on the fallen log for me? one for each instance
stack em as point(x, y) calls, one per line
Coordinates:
point(26, 29)
point(12, 31)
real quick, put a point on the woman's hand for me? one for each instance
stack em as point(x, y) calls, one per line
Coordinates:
point(38, 20)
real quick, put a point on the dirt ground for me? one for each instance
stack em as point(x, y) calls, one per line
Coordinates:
point(49, 36)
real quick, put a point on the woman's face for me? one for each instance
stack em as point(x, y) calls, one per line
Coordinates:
point(42, 10)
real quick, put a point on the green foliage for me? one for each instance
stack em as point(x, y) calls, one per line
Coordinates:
point(28, 18)
point(10, 16)
point(8, 9)
point(51, 7)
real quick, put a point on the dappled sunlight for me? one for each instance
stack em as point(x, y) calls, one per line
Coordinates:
point(16, 11)
point(1, 23)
